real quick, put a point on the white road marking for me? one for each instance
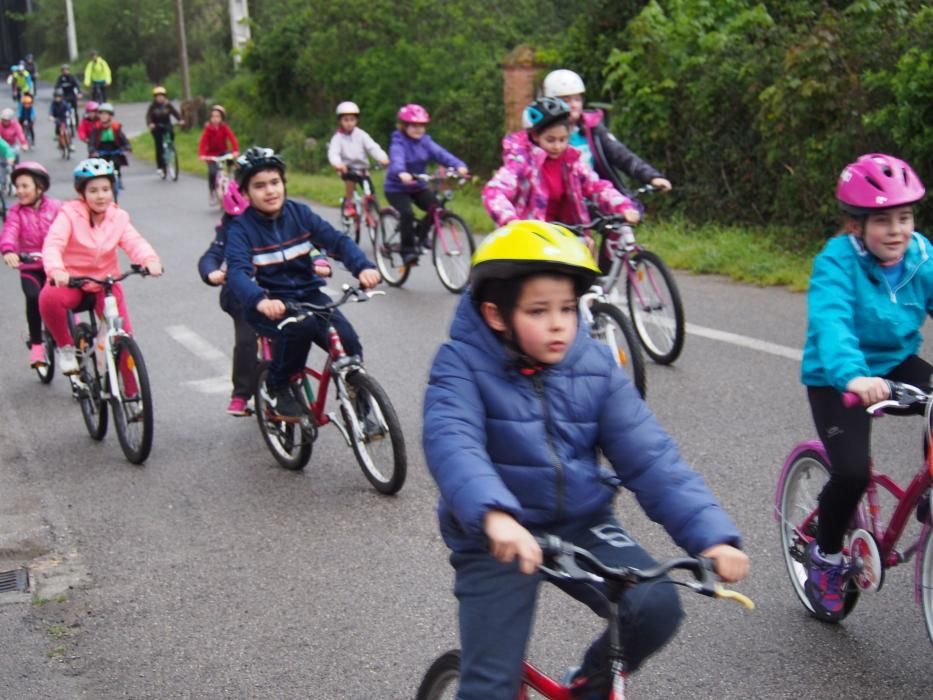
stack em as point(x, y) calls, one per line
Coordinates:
point(197, 345)
point(211, 385)
point(746, 342)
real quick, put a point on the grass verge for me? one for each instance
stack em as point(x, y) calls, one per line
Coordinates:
point(765, 256)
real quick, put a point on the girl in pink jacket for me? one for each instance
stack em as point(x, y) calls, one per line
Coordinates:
point(543, 178)
point(27, 224)
point(83, 241)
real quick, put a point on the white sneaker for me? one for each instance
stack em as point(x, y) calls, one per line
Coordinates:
point(67, 362)
point(159, 172)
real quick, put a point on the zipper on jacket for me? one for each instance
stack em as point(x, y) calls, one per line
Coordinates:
point(538, 381)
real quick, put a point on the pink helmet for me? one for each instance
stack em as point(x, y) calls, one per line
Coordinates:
point(38, 172)
point(414, 114)
point(877, 181)
point(91, 106)
point(234, 202)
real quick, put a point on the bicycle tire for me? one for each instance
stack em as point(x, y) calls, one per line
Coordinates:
point(171, 164)
point(624, 344)
point(93, 407)
point(800, 487)
point(367, 450)
point(72, 122)
point(388, 252)
point(132, 414)
point(47, 371)
point(655, 308)
point(925, 565)
point(441, 679)
point(452, 252)
point(288, 442)
point(372, 221)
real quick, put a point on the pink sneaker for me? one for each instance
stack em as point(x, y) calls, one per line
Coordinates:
point(37, 356)
point(238, 407)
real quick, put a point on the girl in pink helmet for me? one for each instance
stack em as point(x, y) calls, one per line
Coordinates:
point(870, 291)
point(410, 151)
point(89, 121)
point(24, 231)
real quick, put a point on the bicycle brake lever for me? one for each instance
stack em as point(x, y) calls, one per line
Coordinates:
point(569, 569)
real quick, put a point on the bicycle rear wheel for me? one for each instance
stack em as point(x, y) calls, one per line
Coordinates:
point(375, 433)
point(452, 251)
point(655, 307)
point(93, 407)
point(610, 326)
point(132, 401)
point(388, 250)
point(798, 514)
point(441, 679)
point(289, 442)
point(47, 371)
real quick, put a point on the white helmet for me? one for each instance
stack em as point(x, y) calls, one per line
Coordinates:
point(563, 82)
point(347, 108)
point(6, 115)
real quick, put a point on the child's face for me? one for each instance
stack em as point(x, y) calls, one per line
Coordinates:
point(216, 118)
point(348, 122)
point(887, 233)
point(266, 192)
point(26, 191)
point(575, 102)
point(554, 140)
point(105, 117)
point(98, 193)
point(92, 115)
point(414, 131)
point(160, 98)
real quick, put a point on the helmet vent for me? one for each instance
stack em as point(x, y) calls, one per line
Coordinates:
point(874, 183)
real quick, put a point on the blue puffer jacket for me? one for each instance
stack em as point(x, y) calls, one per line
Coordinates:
point(412, 156)
point(279, 252)
point(498, 439)
point(858, 326)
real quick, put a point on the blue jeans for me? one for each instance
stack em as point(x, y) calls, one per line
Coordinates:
point(497, 607)
point(290, 346)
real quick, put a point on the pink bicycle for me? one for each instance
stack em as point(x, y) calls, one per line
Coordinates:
point(871, 542)
point(567, 562)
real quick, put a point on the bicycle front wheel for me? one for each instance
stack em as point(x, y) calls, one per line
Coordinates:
point(132, 401)
point(288, 442)
point(171, 163)
point(93, 407)
point(926, 579)
point(611, 327)
point(441, 679)
point(371, 221)
point(452, 251)
point(47, 371)
point(655, 307)
point(388, 250)
point(798, 517)
point(375, 433)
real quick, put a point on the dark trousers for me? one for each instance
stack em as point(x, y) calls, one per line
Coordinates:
point(212, 169)
point(158, 135)
point(402, 203)
point(290, 345)
point(32, 281)
point(846, 434)
point(244, 357)
point(497, 605)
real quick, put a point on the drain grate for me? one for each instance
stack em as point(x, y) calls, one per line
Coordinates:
point(16, 580)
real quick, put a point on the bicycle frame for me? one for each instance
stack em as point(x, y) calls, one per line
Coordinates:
point(113, 323)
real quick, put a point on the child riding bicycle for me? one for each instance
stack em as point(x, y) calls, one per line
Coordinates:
point(349, 150)
point(89, 121)
point(870, 292)
point(24, 231)
point(58, 113)
point(520, 402)
point(107, 139)
point(159, 119)
point(83, 241)
point(217, 139)
point(409, 153)
point(11, 131)
point(269, 262)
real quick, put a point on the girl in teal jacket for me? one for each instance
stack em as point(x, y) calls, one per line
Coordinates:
point(870, 292)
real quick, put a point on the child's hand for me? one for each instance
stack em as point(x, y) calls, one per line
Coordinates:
point(273, 309)
point(11, 260)
point(731, 564)
point(154, 268)
point(342, 169)
point(384, 163)
point(406, 178)
point(509, 540)
point(662, 183)
point(869, 389)
point(369, 278)
point(322, 269)
point(60, 279)
point(631, 216)
point(464, 171)
point(217, 277)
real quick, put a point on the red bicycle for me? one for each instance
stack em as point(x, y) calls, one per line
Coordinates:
point(366, 211)
point(368, 422)
point(567, 562)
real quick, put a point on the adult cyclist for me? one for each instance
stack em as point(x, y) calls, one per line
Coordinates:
point(97, 77)
point(70, 87)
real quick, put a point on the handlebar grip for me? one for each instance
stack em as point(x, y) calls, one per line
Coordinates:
point(724, 593)
point(851, 400)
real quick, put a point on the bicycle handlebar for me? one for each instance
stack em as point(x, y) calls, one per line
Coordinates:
point(109, 280)
point(564, 562)
point(902, 396)
point(218, 159)
point(299, 310)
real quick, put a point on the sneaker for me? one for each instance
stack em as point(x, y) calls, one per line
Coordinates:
point(349, 211)
point(410, 259)
point(37, 356)
point(283, 403)
point(581, 687)
point(238, 407)
point(67, 362)
point(372, 430)
point(825, 585)
point(160, 172)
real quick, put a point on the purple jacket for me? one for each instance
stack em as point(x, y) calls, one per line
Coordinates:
point(518, 189)
point(412, 156)
point(26, 227)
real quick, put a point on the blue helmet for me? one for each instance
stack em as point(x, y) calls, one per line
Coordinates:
point(544, 112)
point(89, 169)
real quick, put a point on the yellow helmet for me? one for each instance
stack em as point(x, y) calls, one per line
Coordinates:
point(524, 247)
point(158, 90)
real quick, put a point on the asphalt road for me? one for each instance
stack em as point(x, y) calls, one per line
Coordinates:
point(210, 572)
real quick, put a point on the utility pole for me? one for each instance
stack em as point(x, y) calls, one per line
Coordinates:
point(182, 50)
point(72, 34)
point(239, 27)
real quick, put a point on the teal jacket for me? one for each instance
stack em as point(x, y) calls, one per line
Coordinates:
point(858, 325)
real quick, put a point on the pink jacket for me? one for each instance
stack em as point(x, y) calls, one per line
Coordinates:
point(26, 228)
point(76, 247)
point(13, 133)
point(518, 191)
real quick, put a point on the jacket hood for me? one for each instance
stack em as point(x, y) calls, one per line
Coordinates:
point(592, 118)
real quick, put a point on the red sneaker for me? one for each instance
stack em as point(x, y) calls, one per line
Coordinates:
point(238, 407)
